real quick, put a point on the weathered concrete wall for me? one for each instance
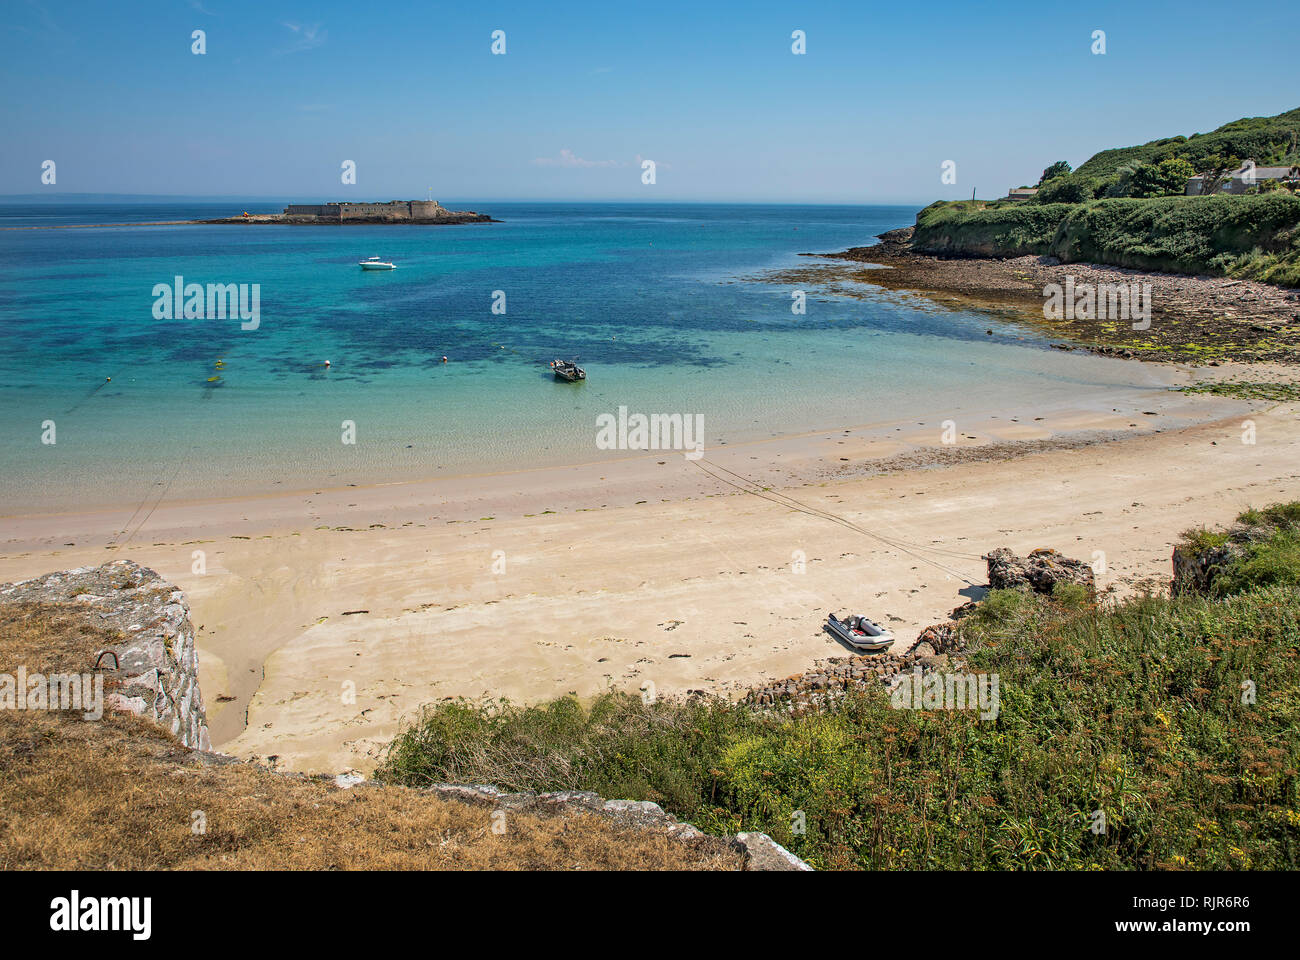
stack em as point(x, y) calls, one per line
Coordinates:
point(157, 666)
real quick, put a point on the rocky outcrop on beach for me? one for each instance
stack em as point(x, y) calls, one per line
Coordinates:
point(830, 681)
point(1041, 571)
point(152, 670)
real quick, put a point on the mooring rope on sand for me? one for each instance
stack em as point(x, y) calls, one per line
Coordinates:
point(113, 544)
point(790, 503)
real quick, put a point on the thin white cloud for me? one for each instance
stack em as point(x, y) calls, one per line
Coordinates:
point(568, 158)
point(306, 36)
point(196, 5)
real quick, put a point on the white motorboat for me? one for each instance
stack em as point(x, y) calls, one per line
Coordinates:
point(374, 263)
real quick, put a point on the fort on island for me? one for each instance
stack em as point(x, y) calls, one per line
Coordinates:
point(395, 211)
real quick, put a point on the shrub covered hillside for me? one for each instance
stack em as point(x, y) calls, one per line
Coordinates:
point(1153, 733)
point(1269, 141)
point(1126, 207)
point(1253, 237)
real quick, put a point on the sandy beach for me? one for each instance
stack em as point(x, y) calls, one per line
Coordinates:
point(328, 616)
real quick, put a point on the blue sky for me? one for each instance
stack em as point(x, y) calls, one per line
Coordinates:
point(411, 92)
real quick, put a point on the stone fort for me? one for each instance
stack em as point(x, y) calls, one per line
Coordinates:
point(392, 210)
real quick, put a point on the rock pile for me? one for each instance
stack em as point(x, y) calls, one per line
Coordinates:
point(829, 682)
point(1041, 571)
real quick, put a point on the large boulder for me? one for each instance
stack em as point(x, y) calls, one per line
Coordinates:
point(1041, 571)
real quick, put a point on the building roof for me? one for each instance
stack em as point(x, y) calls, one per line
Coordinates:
point(1260, 173)
point(1269, 173)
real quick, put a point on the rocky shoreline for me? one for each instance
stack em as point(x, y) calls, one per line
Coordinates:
point(1198, 319)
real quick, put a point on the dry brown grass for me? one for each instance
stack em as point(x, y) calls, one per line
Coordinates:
point(122, 794)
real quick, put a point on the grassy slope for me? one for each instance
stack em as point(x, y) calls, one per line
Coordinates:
point(1271, 141)
point(1252, 237)
point(1134, 709)
point(121, 794)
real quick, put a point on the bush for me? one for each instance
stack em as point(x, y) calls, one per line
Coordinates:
point(1059, 169)
point(1010, 231)
point(1068, 189)
point(1168, 178)
point(1264, 550)
point(1274, 562)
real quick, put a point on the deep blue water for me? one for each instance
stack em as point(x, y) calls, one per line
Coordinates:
point(653, 299)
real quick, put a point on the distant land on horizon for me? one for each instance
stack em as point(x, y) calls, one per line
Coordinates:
point(321, 198)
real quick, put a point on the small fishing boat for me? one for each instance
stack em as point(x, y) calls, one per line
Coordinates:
point(568, 371)
point(860, 632)
point(374, 263)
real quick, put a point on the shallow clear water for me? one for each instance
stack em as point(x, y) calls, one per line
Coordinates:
point(651, 298)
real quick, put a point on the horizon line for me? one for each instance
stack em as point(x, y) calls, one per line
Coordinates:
point(52, 197)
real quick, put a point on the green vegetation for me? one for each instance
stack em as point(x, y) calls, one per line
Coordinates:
point(1168, 178)
point(1059, 169)
point(1269, 141)
point(1251, 237)
point(1126, 207)
point(1133, 708)
point(1277, 392)
point(1262, 550)
point(975, 227)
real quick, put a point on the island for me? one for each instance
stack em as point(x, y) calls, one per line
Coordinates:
point(393, 211)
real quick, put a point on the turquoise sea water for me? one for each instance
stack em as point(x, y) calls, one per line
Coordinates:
point(653, 299)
